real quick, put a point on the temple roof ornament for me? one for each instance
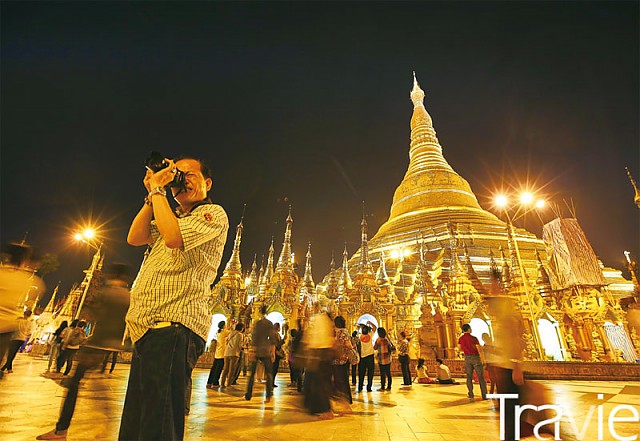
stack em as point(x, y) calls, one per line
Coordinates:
point(381, 275)
point(234, 267)
point(52, 301)
point(636, 199)
point(345, 283)
point(471, 273)
point(307, 279)
point(268, 272)
point(285, 260)
point(365, 264)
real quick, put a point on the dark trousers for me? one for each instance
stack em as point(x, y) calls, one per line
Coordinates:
point(317, 383)
point(114, 358)
point(236, 373)
point(473, 363)
point(88, 358)
point(341, 388)
point(296, 377)
point(354, 373)
point(268, 371)
point(66, 356)
point(406, 372)
point(385, 374)
point(367, 366)
point(276, 366)
point(215, 372)
point(14, 346)
point(160, 384)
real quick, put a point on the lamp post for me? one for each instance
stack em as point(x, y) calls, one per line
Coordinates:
point(526, 205)
point(87, 237)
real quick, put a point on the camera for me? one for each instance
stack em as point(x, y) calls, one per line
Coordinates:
point(155, 162)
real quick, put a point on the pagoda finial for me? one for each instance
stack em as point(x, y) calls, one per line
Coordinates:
point(345, 278)
point(636, 199)
point(284, 261)
point(417, 94)
point(234, 267)
point(269, 270)
point(307, 279)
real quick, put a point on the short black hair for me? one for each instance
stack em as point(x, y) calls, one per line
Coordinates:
point(339, 322)
point(263, 309)
point(382, 333)
point(239, 327)
point(466, 327)
point(439, 360)
point(204, 168)
point(365, 329)
point(221, 324)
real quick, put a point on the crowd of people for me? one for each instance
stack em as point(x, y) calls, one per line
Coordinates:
point(166, 316)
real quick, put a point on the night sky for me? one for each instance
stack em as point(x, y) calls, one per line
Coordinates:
point(308, 104)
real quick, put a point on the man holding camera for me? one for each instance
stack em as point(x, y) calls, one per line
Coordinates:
point(169, 316)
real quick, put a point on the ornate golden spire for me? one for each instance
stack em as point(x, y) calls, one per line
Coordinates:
point(471, 273)
point(543, 283)
point(430, 185)
point(381, 275)
point(234, 267)
point(506, 271)
point(52, 301)
point(268, 272)
point(636, 199)
point(284, 261)
point(346, 283)
point(365, 263)
point(307, 279)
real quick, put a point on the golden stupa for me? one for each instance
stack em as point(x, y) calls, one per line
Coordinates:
point(435, 208)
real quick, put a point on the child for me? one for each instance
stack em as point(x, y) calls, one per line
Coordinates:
point(421, 373)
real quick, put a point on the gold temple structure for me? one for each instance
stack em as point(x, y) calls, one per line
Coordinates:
point(428, 268)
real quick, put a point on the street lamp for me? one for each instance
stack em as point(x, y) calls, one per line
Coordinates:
point(86, 237)
point(525, 206)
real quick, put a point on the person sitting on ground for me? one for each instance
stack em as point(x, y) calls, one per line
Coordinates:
point(421, 373)
point(443, 373)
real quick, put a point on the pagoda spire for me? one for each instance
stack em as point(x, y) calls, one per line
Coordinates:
point(345, 279)
point(471, 273)
point(543, 282)
point(307, 279)
point(308, 287)
point(506, 272)
point(284, 261)
point(234, 267)
point(365, 263)
point(381, 275)
point(52, 301)
point(636, 199)
point(268, 272)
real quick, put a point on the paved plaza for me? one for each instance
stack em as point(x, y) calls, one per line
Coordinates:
point(30, 402)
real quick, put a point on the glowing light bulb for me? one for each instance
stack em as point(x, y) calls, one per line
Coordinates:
point(88, 233)
point(540, 203)
point(395, 254)
point(78, 237)
point(526, 198)
point(501, 200)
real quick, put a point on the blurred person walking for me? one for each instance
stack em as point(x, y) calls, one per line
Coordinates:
point(106, 310)
point(73, 339)
point(169, 317)
point(56, 344)
point(22, 334)
point(279, 351)
point(318, 340)
point(340, 366)
point(17, 281)
point(403, 358)
point(355, 343)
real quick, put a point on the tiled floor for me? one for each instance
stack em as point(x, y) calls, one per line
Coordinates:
point(29, 405)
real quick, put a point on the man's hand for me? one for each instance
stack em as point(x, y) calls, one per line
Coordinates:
point(163, 177)
point(147, 179)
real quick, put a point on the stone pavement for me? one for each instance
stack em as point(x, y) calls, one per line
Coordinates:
point(29, 405)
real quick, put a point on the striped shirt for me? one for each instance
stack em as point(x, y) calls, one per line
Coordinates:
point(173, 285)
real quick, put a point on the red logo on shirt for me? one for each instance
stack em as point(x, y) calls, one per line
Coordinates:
point(208, 217)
